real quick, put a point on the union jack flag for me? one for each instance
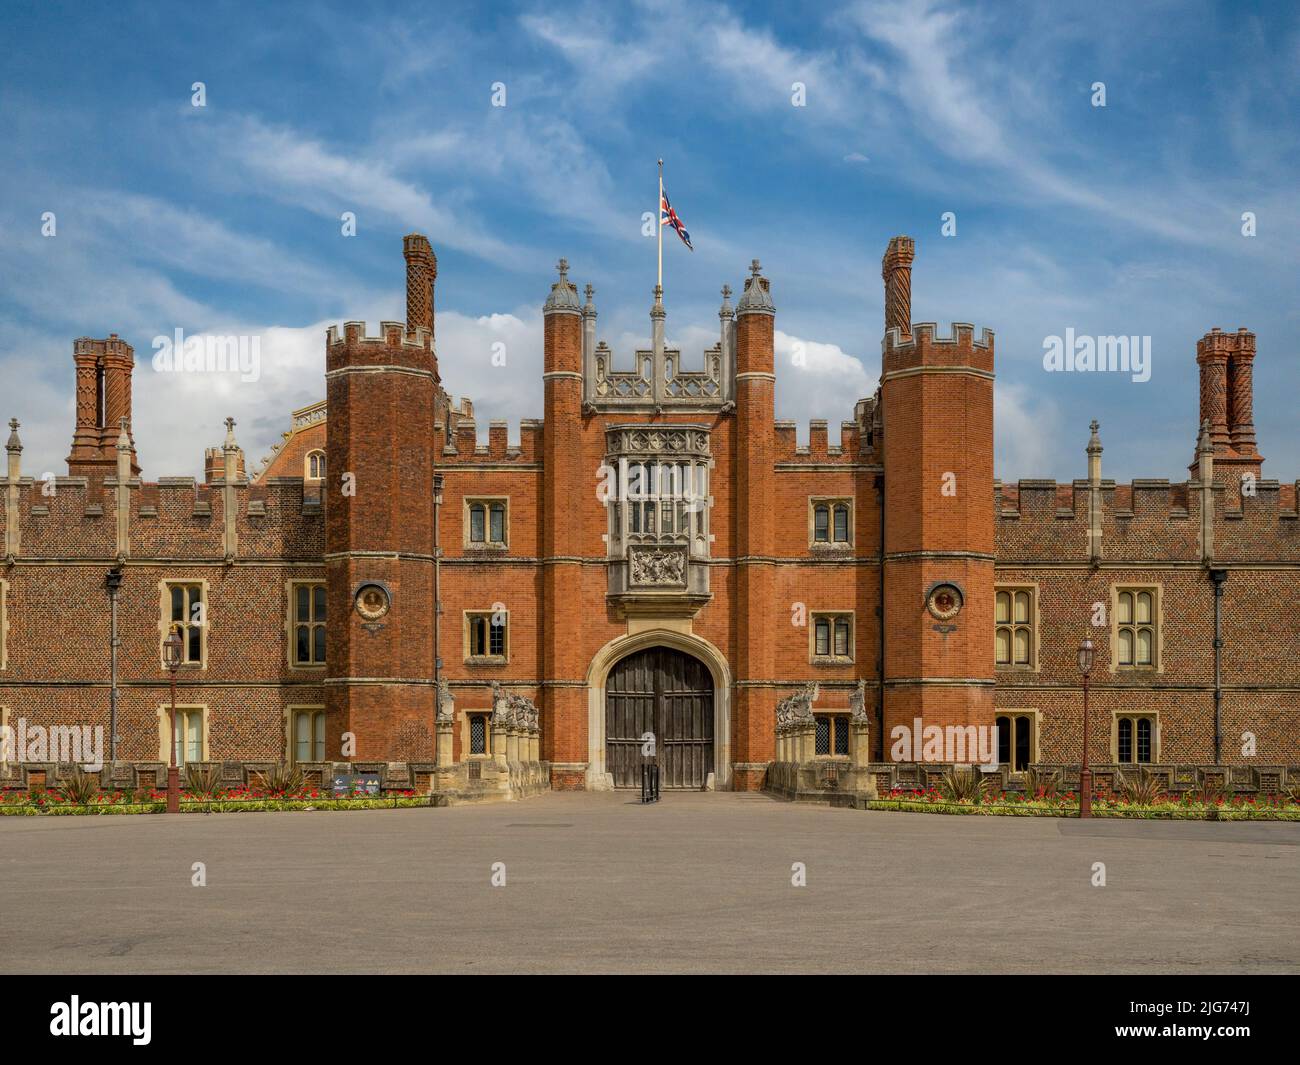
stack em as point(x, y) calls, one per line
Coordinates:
point(668, 217)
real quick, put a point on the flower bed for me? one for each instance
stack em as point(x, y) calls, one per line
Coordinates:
point(226, 800)
point(1187, 807)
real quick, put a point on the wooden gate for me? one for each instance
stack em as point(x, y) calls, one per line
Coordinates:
point(667, 693)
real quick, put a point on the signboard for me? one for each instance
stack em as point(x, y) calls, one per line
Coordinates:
point(355, 784)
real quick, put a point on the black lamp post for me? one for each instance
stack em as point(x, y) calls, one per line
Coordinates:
point(1086, 654)
point(113, 582)
point(172, 659)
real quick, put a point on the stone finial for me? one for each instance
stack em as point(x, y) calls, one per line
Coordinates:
point(1204, 445)
point(757, 297)
point(1094, 441)
point(589, 308)
point(725, 310)
point(564, 293)
point(15, 445)
point(230, 433)
point(123, 435)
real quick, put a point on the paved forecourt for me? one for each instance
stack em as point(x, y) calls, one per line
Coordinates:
point(598, 882)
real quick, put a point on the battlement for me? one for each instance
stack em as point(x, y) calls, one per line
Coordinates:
point(173, 517)
point(819, 448)
point(1148, 518)
point(395, 345)
point(900, 350)
point(464, 446)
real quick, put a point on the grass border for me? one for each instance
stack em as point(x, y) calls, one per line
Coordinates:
point(1099, 810)
point(212, 806)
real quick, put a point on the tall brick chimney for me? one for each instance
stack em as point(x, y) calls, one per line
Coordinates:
point(103, 369)
point(421, 275)
point(1226, 361)
point(896, 270)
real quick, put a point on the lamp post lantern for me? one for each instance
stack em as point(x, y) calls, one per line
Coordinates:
point(172, 659)
point(1086, 655)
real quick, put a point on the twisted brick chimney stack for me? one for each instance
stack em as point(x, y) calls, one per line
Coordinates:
point(896, 270)
point(1227, 401)
point(421, 274)
point(103, 399)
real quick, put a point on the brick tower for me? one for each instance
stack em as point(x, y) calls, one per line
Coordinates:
point(103, 399)
point(937, 396)
point(569, 478)
point(757, 613)
point(381, 394)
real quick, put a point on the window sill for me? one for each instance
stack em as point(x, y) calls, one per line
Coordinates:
point(493, 548)
point(487, 660)
point(829, 660)
point(307, 665)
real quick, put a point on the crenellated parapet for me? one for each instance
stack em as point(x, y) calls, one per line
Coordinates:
point(849, 449)
point(394, 346)
point(1145, 519)
point(961, 348)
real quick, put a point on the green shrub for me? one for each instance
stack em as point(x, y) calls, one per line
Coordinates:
point(964, 784)
point(81, 786)
point(1142, 788)
point(1041, 785)
point(203, 781)
point(282, 779)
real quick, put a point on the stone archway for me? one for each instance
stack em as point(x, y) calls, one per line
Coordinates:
point(598, 777)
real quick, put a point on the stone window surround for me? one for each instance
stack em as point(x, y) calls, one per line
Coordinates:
point(831, 544)
point(291, 713)
point(465, 734)
point(290, 621)
point(306, 465)
point(467, 644)
point(165, 619)
point(694, 452)
point(1153, 716)
point(842, 718)
point(486, 544)
point(1035, 719)
point(165, 730)
point(1158, 624)
point(1031, 587)
point(831, 659)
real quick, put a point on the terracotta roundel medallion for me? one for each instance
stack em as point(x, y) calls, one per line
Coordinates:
point(944, 601)
point(372, 601)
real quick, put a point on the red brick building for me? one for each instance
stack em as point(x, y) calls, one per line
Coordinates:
point(657, 556)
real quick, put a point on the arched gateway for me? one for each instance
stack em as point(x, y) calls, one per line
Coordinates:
point(669, 693)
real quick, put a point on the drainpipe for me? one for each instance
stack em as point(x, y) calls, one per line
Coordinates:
point(113, 582)
point(880, 618)
point(1219, 577)
point(437, 608)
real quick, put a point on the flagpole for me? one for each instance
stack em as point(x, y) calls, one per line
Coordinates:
point(659, 207)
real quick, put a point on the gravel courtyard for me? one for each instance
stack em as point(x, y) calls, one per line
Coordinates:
point(598, 882)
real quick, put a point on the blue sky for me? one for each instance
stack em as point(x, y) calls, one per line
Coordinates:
point(1117, 220)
